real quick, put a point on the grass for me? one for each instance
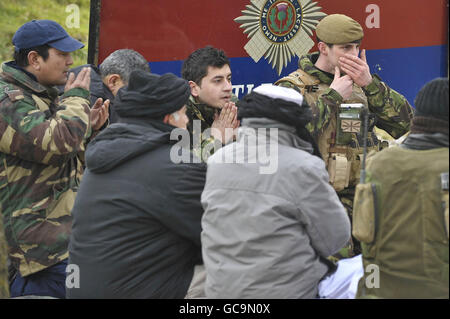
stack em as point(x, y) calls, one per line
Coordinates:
point(14, 13)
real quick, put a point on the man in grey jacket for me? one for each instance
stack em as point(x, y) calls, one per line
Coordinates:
point(271, 218)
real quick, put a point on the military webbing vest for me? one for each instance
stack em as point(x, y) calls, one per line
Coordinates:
point(342, 160)
point(400, 215)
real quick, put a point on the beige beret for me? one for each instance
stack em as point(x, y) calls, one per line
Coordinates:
point(338, 29)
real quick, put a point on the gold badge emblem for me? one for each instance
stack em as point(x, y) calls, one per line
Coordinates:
point(279, 29)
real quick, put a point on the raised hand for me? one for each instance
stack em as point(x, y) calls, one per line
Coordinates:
point(83, 80)
point(356, 68)
point(343, 85)
point(99, 114)
point(226, 120)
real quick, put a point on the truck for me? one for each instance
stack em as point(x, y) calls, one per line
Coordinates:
point(406, 41)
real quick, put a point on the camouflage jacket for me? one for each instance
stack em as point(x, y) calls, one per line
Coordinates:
point(201, 117)
point(4, 285)
point(40, 169)
point(392, 110)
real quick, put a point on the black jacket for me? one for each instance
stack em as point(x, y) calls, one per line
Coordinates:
point(136, 229)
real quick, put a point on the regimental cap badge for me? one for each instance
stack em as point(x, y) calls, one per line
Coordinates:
point(279, 29)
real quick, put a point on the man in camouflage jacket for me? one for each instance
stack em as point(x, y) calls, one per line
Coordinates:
point(42, 139)
point(334, 76)
point(211, 108)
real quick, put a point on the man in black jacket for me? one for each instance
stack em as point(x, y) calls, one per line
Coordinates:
point(136, 230)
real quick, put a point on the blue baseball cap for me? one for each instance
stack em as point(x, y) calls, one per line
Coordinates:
point(40, 32)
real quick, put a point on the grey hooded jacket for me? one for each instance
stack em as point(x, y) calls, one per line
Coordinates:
point(271, 217)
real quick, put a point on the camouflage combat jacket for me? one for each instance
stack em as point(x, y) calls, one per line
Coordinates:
point(40, 170)
point(201, 118)
point(389, 110)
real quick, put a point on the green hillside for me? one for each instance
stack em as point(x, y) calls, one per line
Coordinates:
point(14, 13)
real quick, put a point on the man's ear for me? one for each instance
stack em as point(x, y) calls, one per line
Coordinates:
point(194, 88)
point(111, 80)
point(322, 48)
point(33, 60)
point(114, 82)
point(166, 119)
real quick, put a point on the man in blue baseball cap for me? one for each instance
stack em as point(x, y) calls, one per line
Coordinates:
point(40, 32)
point(42, 49)
point(41, 150)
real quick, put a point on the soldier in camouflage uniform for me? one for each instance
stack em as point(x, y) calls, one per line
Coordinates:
point(334, 76)
point(42, 139)
point(211, 108)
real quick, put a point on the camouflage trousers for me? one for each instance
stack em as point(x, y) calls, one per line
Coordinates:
point(353, 247)
point(4, 284)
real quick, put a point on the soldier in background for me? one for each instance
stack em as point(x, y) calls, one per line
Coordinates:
point(43, 141)
point(401, 209)
point(335, 76)
point(212, 103)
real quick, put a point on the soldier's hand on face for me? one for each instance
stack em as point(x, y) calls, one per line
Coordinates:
point(343, 85)
point(83, 80)
point(99, 114)
point(226, 120)
point(356, 68)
